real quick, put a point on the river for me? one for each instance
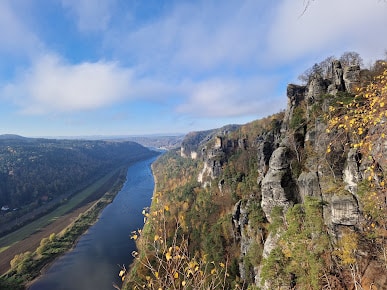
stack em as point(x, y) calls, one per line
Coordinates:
point(95, 262)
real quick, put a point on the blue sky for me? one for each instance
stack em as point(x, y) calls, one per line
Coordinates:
point(122, 67)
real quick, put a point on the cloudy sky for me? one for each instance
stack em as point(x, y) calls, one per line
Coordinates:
point(130, 67)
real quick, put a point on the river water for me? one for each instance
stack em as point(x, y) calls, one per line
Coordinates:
point(95, 262)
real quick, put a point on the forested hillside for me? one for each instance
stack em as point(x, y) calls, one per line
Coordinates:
point(293, 201)
point(41, 173)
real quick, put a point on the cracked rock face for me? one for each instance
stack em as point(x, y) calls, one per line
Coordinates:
point(316, 89)
point(279, 160)
point(278, 188)
point(308, 185)
point(344, 210)
point(351, 78)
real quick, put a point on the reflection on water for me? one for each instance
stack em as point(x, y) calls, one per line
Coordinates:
point(95, 262)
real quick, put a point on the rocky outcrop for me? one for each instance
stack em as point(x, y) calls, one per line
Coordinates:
point(295, 94)
point(278, 188)
point(265, 146)
point(293, 167)
point(351, 78)
point(343, 209)
point(337, 73)
point(317, 87)
point(213, 160)
point(351, 172)
point(194, 144)
point(308, 185)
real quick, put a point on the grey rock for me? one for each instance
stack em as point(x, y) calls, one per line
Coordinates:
point(308, 185)
point(279, 159)
point(337, 76)
point(278, 187)
point(295, 94)
point(351, 77)
point(351, 172)
point(317, 87)
point(344, 210)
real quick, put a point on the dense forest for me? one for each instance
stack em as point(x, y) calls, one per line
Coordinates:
point(41, 173)
point(293, 201)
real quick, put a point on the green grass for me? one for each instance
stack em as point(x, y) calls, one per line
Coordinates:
point(45, 220)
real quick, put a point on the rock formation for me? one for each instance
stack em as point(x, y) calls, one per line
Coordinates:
point(293, 168)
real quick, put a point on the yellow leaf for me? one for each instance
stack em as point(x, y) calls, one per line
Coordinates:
point(166, 208)
point(134, 237)
point(381, 104)
point(157, 275)
point(157, 237)
point(168, 256)
point(122, 273)
point(176, 275)
point(183, 283)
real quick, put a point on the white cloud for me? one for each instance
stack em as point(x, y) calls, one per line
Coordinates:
point(91, 15)
point(232, 98)
point(201, 36)
point(328, 26)
point(16, 38)
point(53, 85)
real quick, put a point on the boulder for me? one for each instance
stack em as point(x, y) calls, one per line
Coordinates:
point(351, 77)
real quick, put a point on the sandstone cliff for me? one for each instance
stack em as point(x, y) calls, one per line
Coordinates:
point(294, 171)
point(296, 200)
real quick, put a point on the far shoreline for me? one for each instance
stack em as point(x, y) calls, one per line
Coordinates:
point(93, 208)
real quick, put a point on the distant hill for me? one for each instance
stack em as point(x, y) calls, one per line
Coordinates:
point(11, 136)
point(34, 171)
point(159, 142)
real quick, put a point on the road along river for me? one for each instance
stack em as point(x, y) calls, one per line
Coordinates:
point(95, 262)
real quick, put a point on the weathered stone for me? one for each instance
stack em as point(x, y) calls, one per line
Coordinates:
point(351, 173)
point(218, 142)
point(337, 76)
point(278, 188)
point(317, 87)
point(344, 210)
point(279, 159)
point(295, 94)
point(351, 78)
point(308, 185)
point(265, 149)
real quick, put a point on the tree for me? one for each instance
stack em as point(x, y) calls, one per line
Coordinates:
point(351, 58)
point(326, 65)
point(347, 252)
point(362, 119)
point(168, 263)
point(310, 72)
